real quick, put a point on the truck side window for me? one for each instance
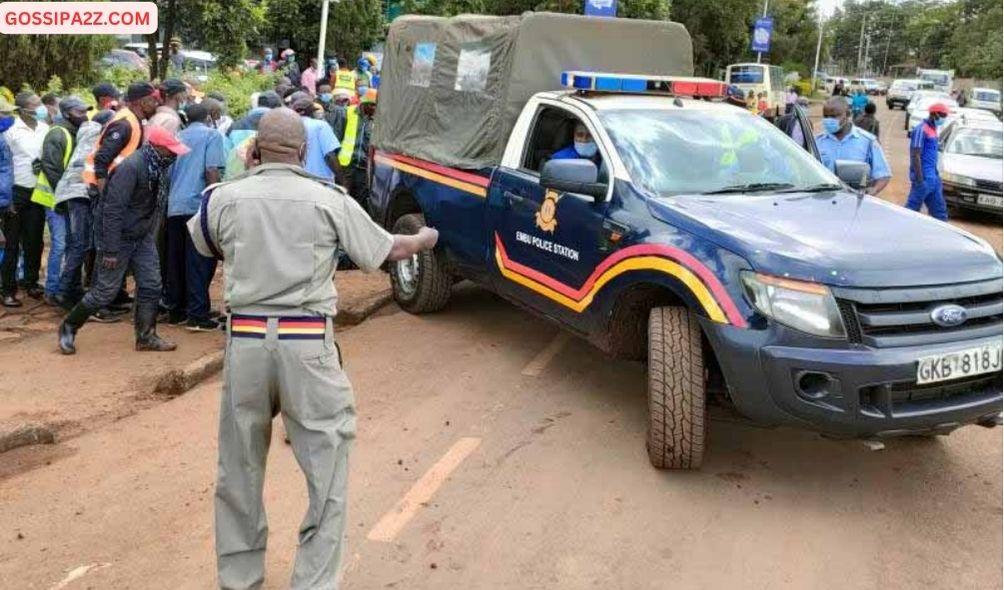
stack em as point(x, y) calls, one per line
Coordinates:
point(553, 133)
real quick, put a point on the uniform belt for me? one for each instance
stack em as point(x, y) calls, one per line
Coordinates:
point(289, 327)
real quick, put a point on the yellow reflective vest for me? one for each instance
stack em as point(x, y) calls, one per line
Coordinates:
point(349, 140)
point(44, 194)
point(345, 79)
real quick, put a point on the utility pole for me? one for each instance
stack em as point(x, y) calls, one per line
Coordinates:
point(868, 47)
point(758, 53)
point(815, 65)
point(861, 40)
point(324, 35)
point(885, 60)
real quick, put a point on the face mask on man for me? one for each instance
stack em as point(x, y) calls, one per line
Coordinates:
point(325, 97)
point(939, 121)
point(586, 149)
point(41, 113)
point(362, 90)
point(831, 125)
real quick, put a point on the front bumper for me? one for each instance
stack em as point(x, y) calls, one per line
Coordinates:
point(862, 391)
point(968, 197)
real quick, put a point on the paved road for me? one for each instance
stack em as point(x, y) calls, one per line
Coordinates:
point(491, 455)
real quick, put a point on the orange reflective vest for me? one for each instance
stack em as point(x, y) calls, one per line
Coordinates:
point(135, 136)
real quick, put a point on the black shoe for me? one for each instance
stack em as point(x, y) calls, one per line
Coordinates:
point(176, 319)
point(215, 315)
point(106, 316)
point(67, 334)
point(146, 331)
point(35, 292)
point(62, 301)
point(206, 325)
point(51, 300)
point(11, 301)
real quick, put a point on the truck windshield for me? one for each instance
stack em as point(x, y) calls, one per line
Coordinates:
point(673, 152)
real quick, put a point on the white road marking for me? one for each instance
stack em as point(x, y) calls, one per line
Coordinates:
point(391, 523)
point(539, 362)
point(78, 573)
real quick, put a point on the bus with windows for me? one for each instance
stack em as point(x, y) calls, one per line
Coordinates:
point(759, 78)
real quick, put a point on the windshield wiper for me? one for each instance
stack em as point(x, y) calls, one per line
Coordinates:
point(816, 188)
point(750, 188)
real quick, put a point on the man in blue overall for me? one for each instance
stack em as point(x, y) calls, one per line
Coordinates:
point(925, 182)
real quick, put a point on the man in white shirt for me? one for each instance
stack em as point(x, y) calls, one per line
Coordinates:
point(25, 139)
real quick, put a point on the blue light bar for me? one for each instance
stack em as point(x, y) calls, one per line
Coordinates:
point(631, 83)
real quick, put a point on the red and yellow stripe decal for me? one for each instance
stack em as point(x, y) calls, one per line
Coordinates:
point(288, 328)
point(703, 284)
point(458, 179)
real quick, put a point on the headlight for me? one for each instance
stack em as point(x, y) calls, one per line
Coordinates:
point(957, 179)
point(808, 307)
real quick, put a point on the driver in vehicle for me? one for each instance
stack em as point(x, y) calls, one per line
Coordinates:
point(583, 146)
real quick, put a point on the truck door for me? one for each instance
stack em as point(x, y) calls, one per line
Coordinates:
point(544, 244)
point(797, 126)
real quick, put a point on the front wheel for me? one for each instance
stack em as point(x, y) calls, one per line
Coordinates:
point(676, 389)
point(420, 283)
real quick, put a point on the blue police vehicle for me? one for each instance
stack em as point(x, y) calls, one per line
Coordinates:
point(674, 228)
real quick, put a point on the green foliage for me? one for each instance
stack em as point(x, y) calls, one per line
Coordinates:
point(353, 26)
point(237, 87)
point(964, 35)
point(227, 28)
point(648, 9)
point(34, 59)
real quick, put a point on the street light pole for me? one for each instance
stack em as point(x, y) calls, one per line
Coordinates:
point(819, 45)
point(758, 53)
point(861, 41)
point(324, 35)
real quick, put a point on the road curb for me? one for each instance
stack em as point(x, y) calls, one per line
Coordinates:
point(178, 381)
point(24, 434)
point(356, 313)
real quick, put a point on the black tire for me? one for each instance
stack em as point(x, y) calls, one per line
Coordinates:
point(432, 283)
point(676, 389)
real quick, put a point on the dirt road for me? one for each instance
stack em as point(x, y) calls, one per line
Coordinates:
point(491, 455)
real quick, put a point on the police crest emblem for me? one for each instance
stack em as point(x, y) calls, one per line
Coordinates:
point(547, 215)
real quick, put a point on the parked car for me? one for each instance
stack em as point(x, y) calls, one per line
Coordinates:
point(971, 114)
point(124, 58)
point(198, 64)
point(922, 100)
point(869, 85)
point(141, 49)
point(987, 99)
point(901, 90)
point(970, 164)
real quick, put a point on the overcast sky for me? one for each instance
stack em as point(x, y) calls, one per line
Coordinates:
point(826, 7)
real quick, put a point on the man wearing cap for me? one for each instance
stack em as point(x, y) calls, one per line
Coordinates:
point(925, 182)
point(107, 96)
point(125, 220)
point(25, 138)
point(841, 140)
point(123, 134)
point(290, 68)
point(322, 145)
point(73, 197)
point(57, 147)
point(353, 156)
point(277, 229)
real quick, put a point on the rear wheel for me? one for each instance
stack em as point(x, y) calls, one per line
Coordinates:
point(676, 389)
point(420, 283)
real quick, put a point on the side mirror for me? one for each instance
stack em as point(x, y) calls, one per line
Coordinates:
point(573, 176)
point(854, 174)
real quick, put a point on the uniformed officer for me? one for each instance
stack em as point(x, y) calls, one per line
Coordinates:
point(278, 230)
point(925, 182)
point(841, 140)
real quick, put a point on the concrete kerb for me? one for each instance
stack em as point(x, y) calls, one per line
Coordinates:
point(176, 382)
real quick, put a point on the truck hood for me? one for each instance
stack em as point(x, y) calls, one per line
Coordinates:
point(835, 238)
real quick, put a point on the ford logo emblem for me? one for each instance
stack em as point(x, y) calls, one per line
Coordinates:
point(949, 316)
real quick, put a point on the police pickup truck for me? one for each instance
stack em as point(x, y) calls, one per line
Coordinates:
point(643, 214)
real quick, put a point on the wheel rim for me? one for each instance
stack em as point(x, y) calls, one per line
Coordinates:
point(407, 273)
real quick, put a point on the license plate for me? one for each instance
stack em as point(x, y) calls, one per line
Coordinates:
point(955, 365)
point(991, 200)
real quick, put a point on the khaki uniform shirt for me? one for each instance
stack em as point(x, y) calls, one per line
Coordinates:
point(278, 230)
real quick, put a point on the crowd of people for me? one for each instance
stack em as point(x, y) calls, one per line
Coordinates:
point(115, 185)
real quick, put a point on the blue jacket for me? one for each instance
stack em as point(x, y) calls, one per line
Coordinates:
point(6, 174)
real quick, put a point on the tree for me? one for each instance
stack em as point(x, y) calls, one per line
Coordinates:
point(33, 59)
point(353, 25)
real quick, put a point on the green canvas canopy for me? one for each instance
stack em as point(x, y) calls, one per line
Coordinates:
point(451, 89)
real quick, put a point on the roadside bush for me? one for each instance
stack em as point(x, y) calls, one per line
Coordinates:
point(237, 88)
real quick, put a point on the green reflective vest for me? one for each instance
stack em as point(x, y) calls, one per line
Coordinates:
point(349, 140)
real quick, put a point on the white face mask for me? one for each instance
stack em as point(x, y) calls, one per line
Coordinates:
point(586, 149)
